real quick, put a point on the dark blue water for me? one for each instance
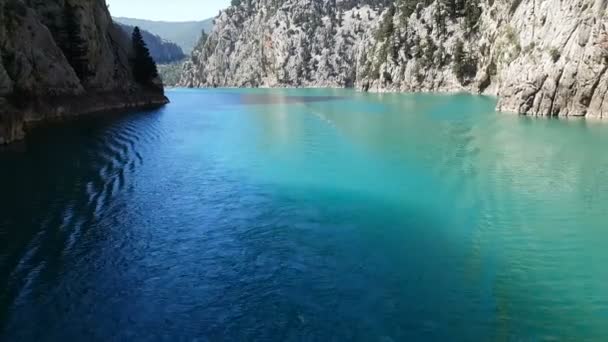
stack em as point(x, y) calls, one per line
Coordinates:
point(321, 215)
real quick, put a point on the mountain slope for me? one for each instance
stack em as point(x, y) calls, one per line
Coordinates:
point(543, 57)
point(161, 50)
point(185, 34)
point(63, 58)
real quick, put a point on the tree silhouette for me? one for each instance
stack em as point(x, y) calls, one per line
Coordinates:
point(144, 67)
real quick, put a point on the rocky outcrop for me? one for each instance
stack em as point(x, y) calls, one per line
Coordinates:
point(57, 63)
point(562, 67)
point(298, 43)
point(541, 57)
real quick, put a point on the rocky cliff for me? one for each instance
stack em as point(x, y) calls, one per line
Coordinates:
point(541, 57)
point(62, 58)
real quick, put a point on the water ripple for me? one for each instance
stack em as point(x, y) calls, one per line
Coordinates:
point(346, 217)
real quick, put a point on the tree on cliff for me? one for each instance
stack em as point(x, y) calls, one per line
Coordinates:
point(465, 65)
point(144, 67)
point(74, 46)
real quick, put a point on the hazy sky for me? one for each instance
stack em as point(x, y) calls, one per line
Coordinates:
point(169, 10)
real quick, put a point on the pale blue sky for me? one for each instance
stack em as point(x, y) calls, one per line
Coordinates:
point(168, 10)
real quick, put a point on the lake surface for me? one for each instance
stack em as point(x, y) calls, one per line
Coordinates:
point(319, 215)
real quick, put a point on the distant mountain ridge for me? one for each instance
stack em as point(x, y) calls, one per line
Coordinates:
point(162, 51)
point(185, 34)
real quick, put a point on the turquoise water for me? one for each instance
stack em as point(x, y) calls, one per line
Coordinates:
point(322, 215)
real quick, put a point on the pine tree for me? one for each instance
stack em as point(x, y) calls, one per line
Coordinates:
point(465, 65)
point(386, 28)
point(144, 67)
point(472, 12)
point(439, 18)
point(459, 60)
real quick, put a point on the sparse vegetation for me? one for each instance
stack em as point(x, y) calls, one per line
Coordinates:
point(170, 73)
point(465, 65)
point(555, 54)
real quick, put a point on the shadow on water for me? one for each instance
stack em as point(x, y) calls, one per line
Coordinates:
point(56, 186)
point(270, 99)
point(281, 261)
point(292, 263)
point(327, 215)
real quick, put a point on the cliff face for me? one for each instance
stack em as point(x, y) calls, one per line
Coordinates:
point(542, 57)
point(39, 81)
point(296, 43)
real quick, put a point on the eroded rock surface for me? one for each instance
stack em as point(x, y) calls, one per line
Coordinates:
point(541, 57)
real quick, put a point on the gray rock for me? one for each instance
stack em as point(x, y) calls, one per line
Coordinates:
point(37, 83)
point(6, 84)
point(541, 57)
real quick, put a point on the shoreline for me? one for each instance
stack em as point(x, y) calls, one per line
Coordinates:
point(18, 120)
point(591, 118)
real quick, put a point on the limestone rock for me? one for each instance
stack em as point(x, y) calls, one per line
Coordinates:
point(541, 57)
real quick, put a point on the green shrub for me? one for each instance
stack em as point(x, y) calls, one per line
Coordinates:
point(555, 54)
